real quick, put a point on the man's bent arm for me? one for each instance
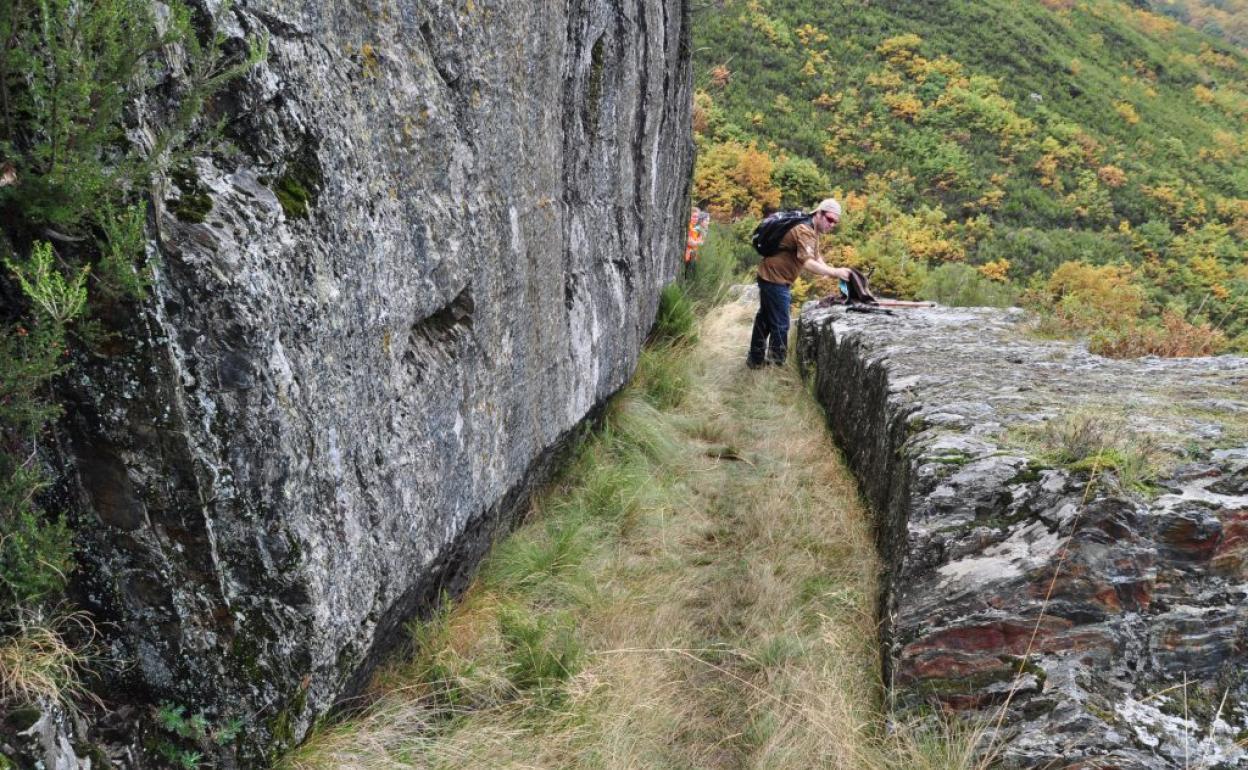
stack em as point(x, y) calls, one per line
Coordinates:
point(819, 268)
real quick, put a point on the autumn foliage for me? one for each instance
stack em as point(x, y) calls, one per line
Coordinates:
point(998, 167)
point(734, 180)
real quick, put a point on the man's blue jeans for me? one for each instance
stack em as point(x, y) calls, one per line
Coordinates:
point(770, 338)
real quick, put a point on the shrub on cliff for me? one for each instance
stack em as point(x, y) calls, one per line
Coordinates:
point(72, 223)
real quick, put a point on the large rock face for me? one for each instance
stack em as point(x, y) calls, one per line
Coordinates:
point(1038, 576)
point(436, 246)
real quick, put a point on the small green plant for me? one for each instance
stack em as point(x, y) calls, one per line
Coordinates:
point(1096, 443)
point(35, 557)
point(117, 273)
point(57, 299)
point(187, 735)
point(293, 196)
point(175, 719)
point(35, 549)
point(193, 203)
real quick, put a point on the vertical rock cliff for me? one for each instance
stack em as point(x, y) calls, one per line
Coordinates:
point(434, 246)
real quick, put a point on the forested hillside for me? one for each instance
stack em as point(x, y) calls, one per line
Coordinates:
point(1087, 157)
point(1225, 18)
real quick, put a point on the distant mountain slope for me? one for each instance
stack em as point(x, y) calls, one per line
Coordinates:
point(1223, 18)
point(1012, 136)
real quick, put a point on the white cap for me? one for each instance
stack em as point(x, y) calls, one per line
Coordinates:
point(830, 204)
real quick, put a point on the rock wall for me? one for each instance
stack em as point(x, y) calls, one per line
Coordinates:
point(1039, 576)
point(433, 246)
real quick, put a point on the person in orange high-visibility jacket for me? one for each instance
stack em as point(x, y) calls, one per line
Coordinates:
point(697, 228)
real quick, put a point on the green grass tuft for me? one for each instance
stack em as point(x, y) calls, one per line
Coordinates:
point(676, 321)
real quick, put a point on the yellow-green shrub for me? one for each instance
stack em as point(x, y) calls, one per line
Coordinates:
point(734, 180)
point(1086, 298)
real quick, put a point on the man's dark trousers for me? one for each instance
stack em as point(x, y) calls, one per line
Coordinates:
point(771, 325)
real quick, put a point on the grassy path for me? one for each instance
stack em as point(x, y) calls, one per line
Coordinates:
point(696, 592)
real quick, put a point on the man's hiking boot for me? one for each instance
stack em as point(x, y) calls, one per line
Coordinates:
point(755, 364)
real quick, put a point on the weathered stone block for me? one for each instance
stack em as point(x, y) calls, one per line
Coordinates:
point(1098, 602)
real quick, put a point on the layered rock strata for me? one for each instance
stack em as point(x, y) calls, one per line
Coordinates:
point(1066, 535)
point(433, 246)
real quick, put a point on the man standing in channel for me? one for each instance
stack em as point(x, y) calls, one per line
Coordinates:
point(799, 250)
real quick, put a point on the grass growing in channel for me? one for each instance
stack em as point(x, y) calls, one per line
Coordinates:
point(696, 591)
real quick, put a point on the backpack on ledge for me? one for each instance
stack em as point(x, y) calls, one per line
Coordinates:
point(773, 228)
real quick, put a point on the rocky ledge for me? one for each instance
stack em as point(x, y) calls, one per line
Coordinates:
point(1066, 536)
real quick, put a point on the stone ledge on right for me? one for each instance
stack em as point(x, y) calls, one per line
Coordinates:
point(1065, 536)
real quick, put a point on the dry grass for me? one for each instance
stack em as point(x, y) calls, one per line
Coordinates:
point(38, 664)
point(1099, 438)
point(698, 593)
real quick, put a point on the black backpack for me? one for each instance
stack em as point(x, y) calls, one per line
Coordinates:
point(773, 228)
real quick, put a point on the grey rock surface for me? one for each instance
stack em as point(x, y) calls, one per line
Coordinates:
point(47, 734)
point(1065, 535)
point(436, 250)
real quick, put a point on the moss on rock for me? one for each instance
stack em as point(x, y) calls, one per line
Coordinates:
point(193, 203)
point(298, 188)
